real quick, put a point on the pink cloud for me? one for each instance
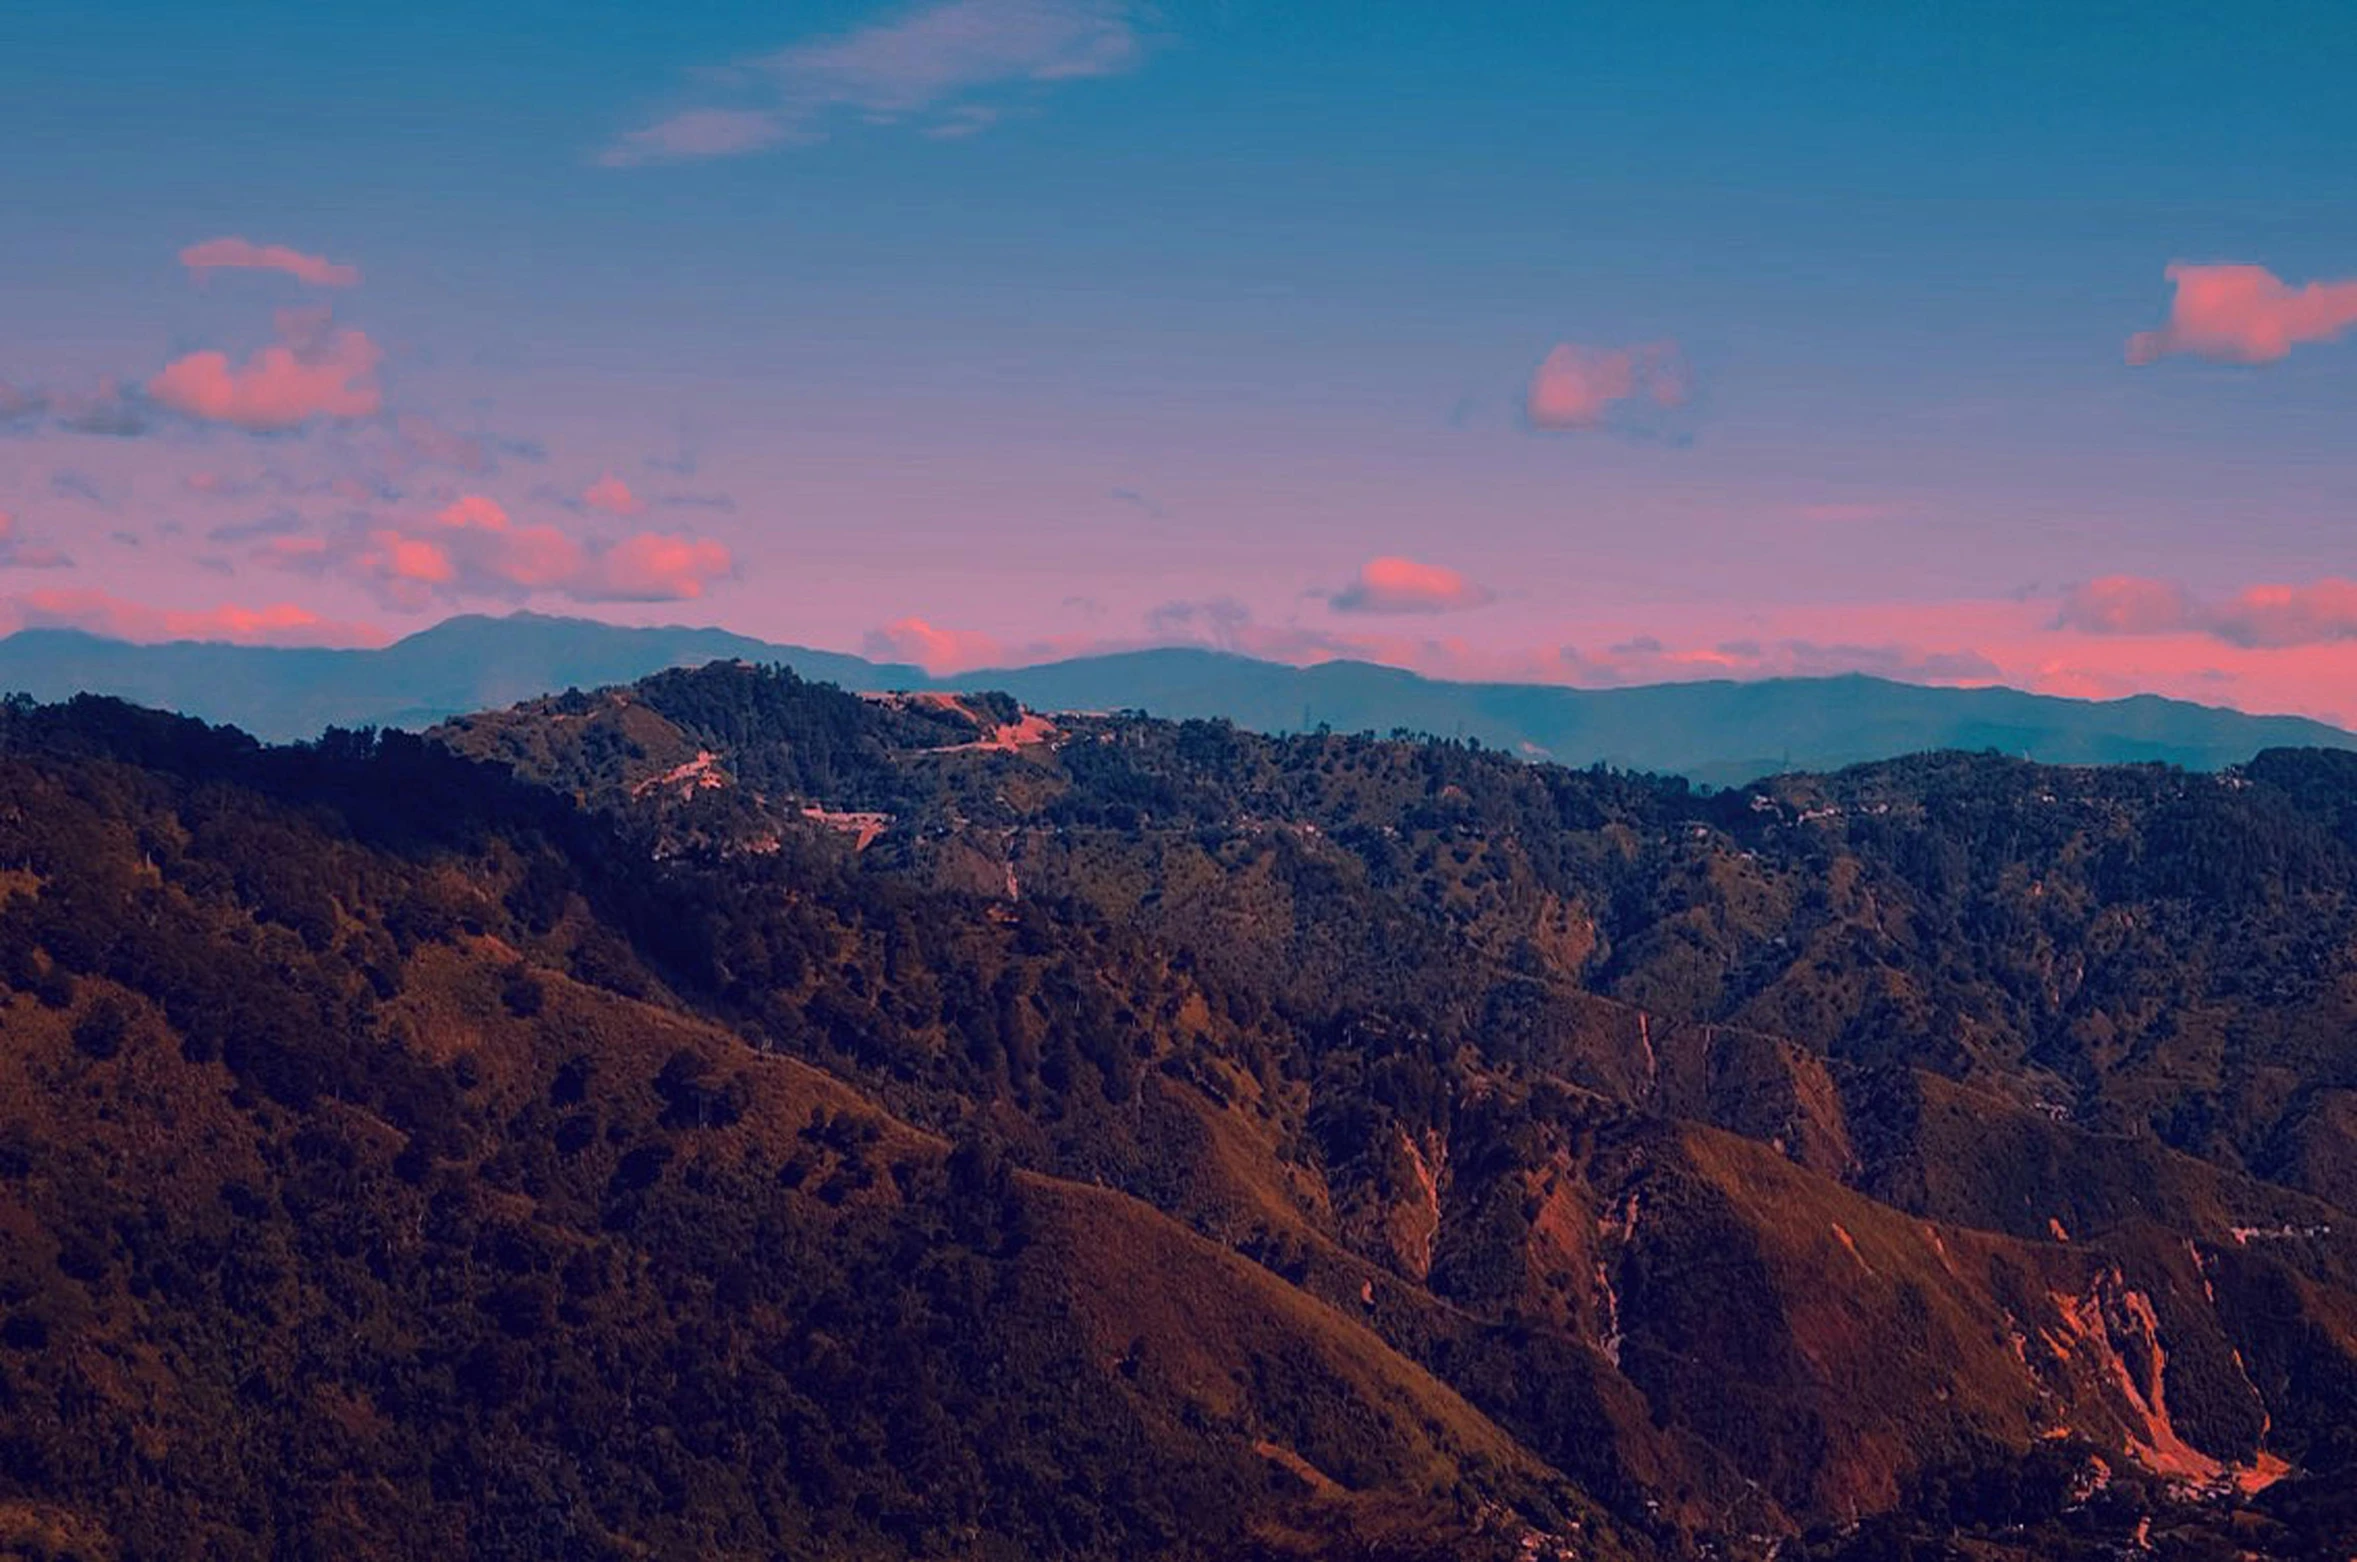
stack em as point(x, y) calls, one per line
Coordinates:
point(2267, 616)
point(934, 649)
point(399, 558)
point(2245, 314)
point(471, 547)
point(233, 254)
point(942, 650)
point(495, 550)
point(473, 512)
point(1397, 585)
point(612, 495)
point(1577, 387)
point(99, 613)
point(2278, 616)
point(315, 371)
point(2125, 605)
point(653, 567)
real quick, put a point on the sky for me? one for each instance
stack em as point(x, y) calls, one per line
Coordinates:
point(1567, 343)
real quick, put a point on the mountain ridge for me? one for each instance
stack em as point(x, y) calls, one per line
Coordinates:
point(910, 1125)
point(1720, 732)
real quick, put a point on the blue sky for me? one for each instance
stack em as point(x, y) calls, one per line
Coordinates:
point(1007, 328)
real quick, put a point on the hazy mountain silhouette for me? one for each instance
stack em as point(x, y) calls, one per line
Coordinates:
point(1721, 732)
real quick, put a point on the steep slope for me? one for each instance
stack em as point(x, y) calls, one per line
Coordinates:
point(1162, 1137)
point(1398, 939)
point(343, 1218)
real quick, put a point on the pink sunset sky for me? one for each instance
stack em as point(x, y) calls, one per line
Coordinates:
point(994, 331)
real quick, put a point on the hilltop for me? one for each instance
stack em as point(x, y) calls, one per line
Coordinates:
point(727, 1114)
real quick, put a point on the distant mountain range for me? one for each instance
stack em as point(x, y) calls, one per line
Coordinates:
point(1716, 732)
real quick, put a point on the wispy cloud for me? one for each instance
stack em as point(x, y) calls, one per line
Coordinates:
point(110, 411)
point(948, 69)
point(2245, 314)
point(16, 553)
point(282, 523)
point(425, 441)
point(695, 501)
point(234, 254)
point(1144, 503)
point(67, 483)
point(698, 133)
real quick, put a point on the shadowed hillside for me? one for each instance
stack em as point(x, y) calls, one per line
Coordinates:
point(728, 1115)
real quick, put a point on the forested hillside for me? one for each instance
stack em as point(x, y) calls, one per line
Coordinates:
point(729, 1116)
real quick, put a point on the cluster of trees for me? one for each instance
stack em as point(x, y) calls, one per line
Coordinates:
point(477, 1234)
point(2137, 950)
